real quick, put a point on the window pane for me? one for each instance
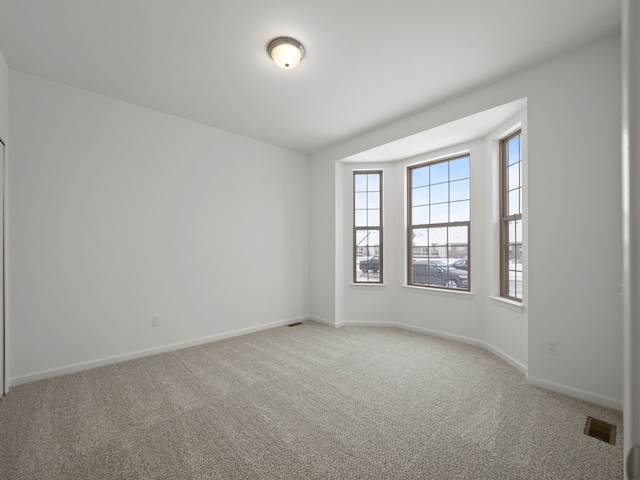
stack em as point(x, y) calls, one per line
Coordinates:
point(420, 241)
point(514, 202)
point(520, 201)
point(439, 173)
point(440, 193)
point(438, 253)
point(459, 168)
point(367, 256)
point(373, 218)
point(360, 183)
point(362, 237)
point(515, 284)
point(458, 235)
point(360, 200)
point(512, 284)
point(373, 182)
point(373, 239)
point(518, 231)
point(515, 257)
point(461, 252)
point(420, 177)
point(511, 232)
point(460, 211)
point(459, 190)
point(520, 169)
point(420, 196)
point(513, 176)
point(373, 200)
point(439, 213)
point(514, 150)
point(368, 238)
point(420, 215)
point(361, 218)
point(438, 236)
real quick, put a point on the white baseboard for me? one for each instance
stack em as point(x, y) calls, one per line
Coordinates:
point(555, 387)
point(449, 336)
point(438, 333)
point(321, 320)
point(54, 372)
point(412, 328)
point(522, 368)
point(574, 392)
point(363, 323)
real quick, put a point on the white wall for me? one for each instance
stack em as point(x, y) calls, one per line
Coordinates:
point(322, 241)
point(375, 303)
point(119, 212)
point(574, 219)
point(631, 230)
point(505, 323)
point(575, 222)
point(4, 136)
point(459, 315)
point(4, 98)
point(475, 317)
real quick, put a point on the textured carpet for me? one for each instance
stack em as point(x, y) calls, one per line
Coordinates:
point(303, 402)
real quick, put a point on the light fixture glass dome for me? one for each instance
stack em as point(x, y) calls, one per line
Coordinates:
point(286, 52)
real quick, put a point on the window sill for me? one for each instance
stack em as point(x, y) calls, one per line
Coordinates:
point(368, 285)
point(438, 291)
point(509, 304)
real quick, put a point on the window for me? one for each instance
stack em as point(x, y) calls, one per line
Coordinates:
point(511, 217)
point(367, 227)
point(439, 224)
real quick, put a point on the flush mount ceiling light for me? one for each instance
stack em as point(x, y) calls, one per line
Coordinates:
point(286, 52)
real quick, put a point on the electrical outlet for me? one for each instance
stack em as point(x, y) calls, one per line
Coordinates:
point(155, 320)
point(553, 347)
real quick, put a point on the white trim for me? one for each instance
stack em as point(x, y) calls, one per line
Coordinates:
point(631, 222)
point(54, 372)
point(323, 321)
point(439, 291)
point(363, 323)
point(437, 333)
point(513, 128)
point(363, 285)
point(4, 382)
point(412, 328)
point(574, 392)
point(427, 157)
point(521, 367)
point(506, 303)
point(448, 336)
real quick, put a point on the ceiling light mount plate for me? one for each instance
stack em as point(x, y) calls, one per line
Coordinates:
point(286, 52)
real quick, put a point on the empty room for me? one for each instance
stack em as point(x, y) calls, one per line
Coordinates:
point(338, 239)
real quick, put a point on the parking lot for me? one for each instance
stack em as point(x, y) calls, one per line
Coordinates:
point(515, 276)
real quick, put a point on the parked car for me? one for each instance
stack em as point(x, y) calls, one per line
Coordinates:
point(462, 264)
point(429, 273)
point(372, 264)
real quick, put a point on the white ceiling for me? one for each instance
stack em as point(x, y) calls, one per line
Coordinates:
point(450, 134)
point(367, 62)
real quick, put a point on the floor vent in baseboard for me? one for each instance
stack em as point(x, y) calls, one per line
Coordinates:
point(295, 324)
point(601, 430)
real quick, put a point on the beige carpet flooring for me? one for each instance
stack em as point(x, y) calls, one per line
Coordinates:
point(304, 402)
